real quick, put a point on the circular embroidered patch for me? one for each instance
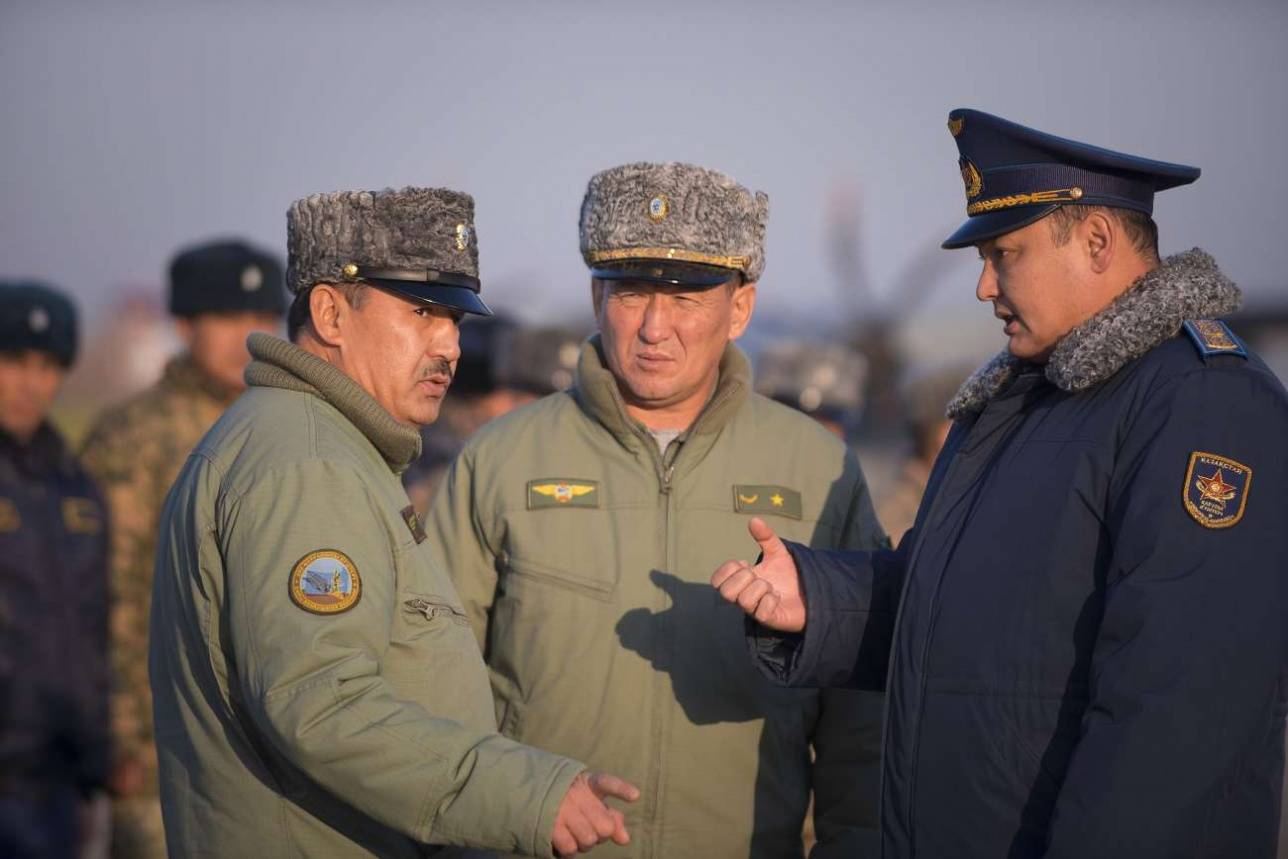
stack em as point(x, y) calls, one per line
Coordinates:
point(325, 582)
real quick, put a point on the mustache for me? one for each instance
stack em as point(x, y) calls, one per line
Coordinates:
point(439, 367)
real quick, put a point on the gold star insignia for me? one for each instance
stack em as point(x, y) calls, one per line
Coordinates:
point(776, 500)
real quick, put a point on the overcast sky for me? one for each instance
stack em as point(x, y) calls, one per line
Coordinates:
point(133, 126)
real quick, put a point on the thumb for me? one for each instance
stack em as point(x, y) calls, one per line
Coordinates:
point(605, 785)
point(766, 538)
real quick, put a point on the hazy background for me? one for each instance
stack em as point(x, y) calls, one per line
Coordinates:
point(134, 126)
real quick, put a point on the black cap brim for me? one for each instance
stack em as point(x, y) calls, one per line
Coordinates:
point(673, 272)
point(456, 297)
point(990, 225)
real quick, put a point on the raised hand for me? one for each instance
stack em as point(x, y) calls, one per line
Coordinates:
point(769, 591)
point(584, 820)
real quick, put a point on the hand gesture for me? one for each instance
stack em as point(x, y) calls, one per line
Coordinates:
point(770, 591)
point(584, 820)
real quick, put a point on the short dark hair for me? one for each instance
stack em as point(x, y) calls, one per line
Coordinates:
point(1139, 227)
point(299, 315)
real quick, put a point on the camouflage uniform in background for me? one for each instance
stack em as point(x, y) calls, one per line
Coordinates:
point(134, 452)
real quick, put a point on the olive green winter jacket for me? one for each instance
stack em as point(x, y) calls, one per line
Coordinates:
point(317, 690)
point(583, 558)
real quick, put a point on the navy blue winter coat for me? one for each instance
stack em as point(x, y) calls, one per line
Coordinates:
point(53, 645)
point(1083, 637)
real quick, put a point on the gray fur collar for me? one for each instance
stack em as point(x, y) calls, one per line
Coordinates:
point(1185, 286)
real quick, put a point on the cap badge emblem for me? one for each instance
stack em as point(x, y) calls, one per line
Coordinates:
point(971, 178)
point(462, 236)
point(38, 320)
point(251, 278)
point(659, 207)
point(350, 269)
point(955, 126)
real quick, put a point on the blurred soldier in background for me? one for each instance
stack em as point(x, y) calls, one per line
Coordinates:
point(924, 396)
point(503, 365)
point(823, 380)
point(54, 752)
point(219, 293)
point(578, 531)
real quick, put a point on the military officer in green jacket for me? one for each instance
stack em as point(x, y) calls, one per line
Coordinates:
point(317, 689)
point(581, 530)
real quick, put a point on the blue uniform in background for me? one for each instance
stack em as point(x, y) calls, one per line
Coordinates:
point(1084, 637)
point(53, 646)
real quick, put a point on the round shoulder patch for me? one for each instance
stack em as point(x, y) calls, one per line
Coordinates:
point(325, 582)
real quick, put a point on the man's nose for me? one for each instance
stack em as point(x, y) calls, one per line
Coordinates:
point(656, 325)
point(986, 288)
point(448, 342)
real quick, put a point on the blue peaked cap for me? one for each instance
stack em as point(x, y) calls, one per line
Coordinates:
point(1015, 175)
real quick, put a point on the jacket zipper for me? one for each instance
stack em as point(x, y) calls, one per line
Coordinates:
point(665, 471)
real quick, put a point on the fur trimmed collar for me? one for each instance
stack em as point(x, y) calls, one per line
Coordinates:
point(1185, 286)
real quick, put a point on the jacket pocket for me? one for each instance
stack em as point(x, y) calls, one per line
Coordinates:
point(598, 588)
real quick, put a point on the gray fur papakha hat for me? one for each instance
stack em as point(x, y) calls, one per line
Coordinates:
point(672, 223)
point(419, 242)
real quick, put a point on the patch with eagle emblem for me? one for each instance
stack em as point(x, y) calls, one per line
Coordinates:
point(550, 492)
point(325, 582)
point(1216, 490)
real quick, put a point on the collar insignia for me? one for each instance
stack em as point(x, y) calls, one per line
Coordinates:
point(413, 524)
point(562, 492)
point(761, 498)
point(1216, 490)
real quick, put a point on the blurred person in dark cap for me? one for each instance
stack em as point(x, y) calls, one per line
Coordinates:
point(823, 380)
point(503, 365)
point(1084, 636)
point(924, 393)
point(220, 292)
point(54, 754)
point(580, 531)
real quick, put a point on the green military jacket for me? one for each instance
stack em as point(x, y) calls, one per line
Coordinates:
point(317, 690)
point(583, 557)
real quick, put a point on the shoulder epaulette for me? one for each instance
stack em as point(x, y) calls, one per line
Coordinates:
point(1214, 337)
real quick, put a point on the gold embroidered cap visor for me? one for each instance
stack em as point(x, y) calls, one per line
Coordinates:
point(444, 288)
point(666, 271)
point(1014, 175)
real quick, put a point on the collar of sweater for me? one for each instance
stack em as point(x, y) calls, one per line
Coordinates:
point(279, 364)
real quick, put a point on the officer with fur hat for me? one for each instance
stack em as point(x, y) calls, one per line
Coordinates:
point(1084, 637)
point(53, 597)
point(580, 530)
point(220, 292)
point(317, 687)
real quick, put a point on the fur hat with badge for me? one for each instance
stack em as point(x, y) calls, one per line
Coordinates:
point(672, 223)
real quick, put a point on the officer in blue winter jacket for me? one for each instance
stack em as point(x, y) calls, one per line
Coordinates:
point(53, 598)
point(1083, 638)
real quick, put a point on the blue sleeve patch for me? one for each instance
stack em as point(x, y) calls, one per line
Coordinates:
point(1214, 337)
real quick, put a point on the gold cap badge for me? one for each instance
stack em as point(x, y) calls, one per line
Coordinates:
point(462, 236)
point(659, 207)
point(971, 178)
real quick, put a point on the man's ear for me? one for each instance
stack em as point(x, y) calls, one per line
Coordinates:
point(1098, 235)
point(328, 312)
point(744, 304)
